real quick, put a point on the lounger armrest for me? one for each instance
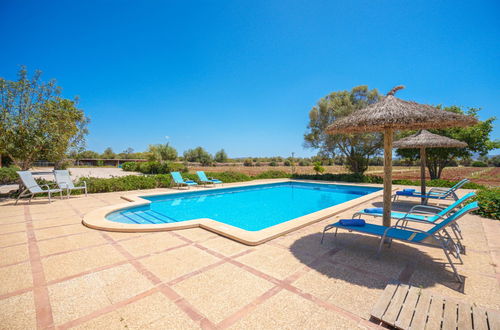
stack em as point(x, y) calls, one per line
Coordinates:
point(425, 209)
point(437, 190)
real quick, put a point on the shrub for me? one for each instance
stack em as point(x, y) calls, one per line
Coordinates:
point(345, 177)
point(272, 175)
point(273, 163)
point(489, 203)
point(318, 168)
point(8, 175)
point(304, 163)
point(287, 163)
point(129, 182)
point(129, 166)
point(248, 162)
point(229, 176)
point(437, 183)
point(479, 163)
point(154, 167)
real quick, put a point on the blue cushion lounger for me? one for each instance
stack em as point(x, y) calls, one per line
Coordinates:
point(437, 236)
point(434, 193)
point(425, 214)
point(179, 181)
point(203, 178)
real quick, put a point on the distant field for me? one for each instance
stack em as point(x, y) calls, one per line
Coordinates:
point(489, 176)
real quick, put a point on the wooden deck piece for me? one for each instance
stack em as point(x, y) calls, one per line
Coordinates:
point(464, 316)
point(406, 307)
point(450, 315)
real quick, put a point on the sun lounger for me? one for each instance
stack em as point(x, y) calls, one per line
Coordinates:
point(433, 193)
point(180, 182)
point(63, 180)
point(423, 213)
point(32, 188)
point(437, 236)
point(203, 178)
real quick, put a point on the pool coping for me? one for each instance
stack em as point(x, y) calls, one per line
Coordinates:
point(96, 219)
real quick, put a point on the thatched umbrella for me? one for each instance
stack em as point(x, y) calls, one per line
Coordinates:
point(390, 114)
point(424, 139)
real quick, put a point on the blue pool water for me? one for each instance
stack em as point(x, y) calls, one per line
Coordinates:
point(251, 208)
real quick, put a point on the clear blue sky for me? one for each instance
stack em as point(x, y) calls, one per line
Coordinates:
point(243, 75)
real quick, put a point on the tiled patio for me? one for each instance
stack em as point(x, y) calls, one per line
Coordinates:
point(56, 273)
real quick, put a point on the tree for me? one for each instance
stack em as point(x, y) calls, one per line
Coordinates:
point(199, 155)
point(162, 152)
point(88, 154)
point(221, 156)
point(108, 154)
point(477, 138)
point(356, 148)
point(36, 122)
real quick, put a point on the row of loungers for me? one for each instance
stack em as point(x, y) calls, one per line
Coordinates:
point(442, 221)
point(180, 182)
point(63, 182)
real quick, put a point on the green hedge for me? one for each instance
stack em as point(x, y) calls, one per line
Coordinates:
point(153, 167)
point(437, 183)
point(129, 182)
point(489, 202)
point(347, 177)
point(8, 175)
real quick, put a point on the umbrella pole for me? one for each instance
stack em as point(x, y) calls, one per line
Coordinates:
point(387, 176)
point(422, 172)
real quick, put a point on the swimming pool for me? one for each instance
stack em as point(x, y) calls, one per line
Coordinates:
point(251, 208)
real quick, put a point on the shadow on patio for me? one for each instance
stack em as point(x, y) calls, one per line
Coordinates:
point(351, 257)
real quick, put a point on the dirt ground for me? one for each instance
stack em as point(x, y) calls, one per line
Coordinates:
point(489, 176)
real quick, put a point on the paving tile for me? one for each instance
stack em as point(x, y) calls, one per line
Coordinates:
point(15, 277)
point(343, 287)
point(83, 295)
point(60, 231)
point(67, 243)
point(174, 263)
point(155, 312)
point(12, 219)
point(18, 312)
point(117, 236)
point(275, 261)
point(225, 246)
point(59, 221)
point(151, 243)
point(123, 282)
point(77, 297)
point(196, 234)
point(13, 254)
point(11, 228)
point(221, 291)
point(109, 321)
point(72, 263)
point(12, 239)
point(286, 310)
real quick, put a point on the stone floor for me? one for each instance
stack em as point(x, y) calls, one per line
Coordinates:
point(56, 273)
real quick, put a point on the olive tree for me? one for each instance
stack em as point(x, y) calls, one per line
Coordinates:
point(36, 122)
point(162, 152)
point(477, 138)
point(356, 149)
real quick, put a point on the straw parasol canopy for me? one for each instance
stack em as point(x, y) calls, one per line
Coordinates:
point(424, 139)
point(392, 113)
